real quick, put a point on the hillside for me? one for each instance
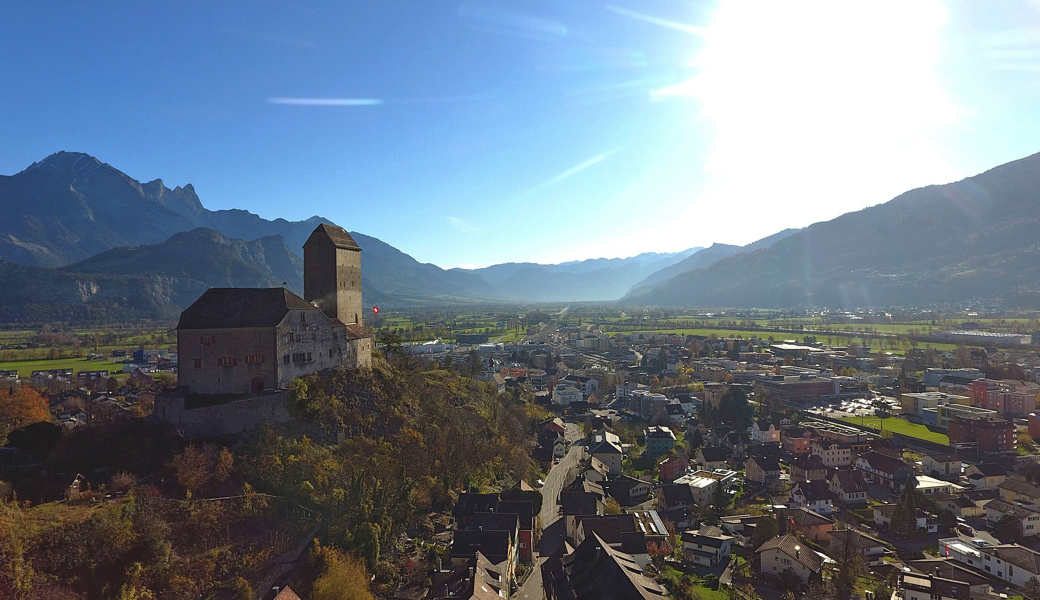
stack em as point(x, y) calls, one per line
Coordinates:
point(598, 279)
point(205, 256)
point(978, 237)
point(72, 208)
point(704, 258)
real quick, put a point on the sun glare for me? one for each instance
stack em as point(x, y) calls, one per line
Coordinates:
point(830, 106)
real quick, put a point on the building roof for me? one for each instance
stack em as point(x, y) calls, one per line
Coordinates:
point(766, 463)
point(863, 541)
point(524, 509)
point(1006, 508)
point(792, 547)
point(803, 517)
point(607, 447)
point(579, 503)
point(1020, 487)
point(493, 544)
point(813, 491)
point(714, 453)
point(990, 470)
point(937, 587)
point(947, 569)
point(469, 503)
point(942, 457)
point(229, 308)
point(1017, 555)
point(336, 234)
point(808, 463)
point(849, 481)
point(883, 463)
point(595, 571)
point(677, 493)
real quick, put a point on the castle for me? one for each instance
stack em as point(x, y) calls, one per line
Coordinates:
point(247, 340)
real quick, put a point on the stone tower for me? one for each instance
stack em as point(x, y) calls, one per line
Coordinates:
point(332, 273)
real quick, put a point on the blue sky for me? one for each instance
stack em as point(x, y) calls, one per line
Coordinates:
point(470, 133)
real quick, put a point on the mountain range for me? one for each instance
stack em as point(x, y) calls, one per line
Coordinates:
point(83, 241)
point(975, 238)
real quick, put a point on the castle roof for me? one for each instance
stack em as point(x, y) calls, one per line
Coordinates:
point(229, 308)
point(336, 234)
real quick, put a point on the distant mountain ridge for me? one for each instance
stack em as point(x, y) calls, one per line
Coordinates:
point(978, 237)
point(597, 279)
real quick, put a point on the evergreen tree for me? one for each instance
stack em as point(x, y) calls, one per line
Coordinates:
point(904, 518)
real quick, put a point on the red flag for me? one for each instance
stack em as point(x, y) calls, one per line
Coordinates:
point(375, 309)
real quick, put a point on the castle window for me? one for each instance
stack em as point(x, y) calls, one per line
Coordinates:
point(255, 359)
point(207, 340)
point(285, 359)
point(198, 363)
point(227, 362)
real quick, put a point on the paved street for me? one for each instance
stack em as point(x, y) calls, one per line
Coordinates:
point(557, 476)
point(532, 588)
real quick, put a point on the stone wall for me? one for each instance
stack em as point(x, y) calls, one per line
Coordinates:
point(227, 418)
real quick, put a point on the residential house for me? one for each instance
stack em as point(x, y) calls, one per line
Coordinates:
point(620, 532)
point(741, 527)
point(763, 470)
point(867, 546)
point(849, 487)
point(930, 587)
point(807, 468)
point(675, 495)
point(470, 504)
point(815, 495)
point(832, 453)
point(953, 571)
point(610, 454)
point(480, 579)
point(524, 510)
point(807, 523)
point(595, 571)
point(985, 476)
point(706, 547)
point(578, 504)
point(628, 491)
point(659, 440)
point(884, 470)
point(961, 505)
point(670, 469)
point(596, 471)
point(1018, 491)
point(1013, 563)
point(883, 519)
point(941, 465)
point(797, 440)
point(712, 457)
point(1026, 516)
point(789, 553)
point(763, 431)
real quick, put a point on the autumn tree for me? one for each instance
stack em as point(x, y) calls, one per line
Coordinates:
point(20, 407)
point(343, 577)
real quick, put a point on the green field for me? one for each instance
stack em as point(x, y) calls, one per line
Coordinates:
point(26, 367)
point(901, 426)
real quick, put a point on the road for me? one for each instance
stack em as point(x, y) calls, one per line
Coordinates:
point(532, 588)
point(557, 477)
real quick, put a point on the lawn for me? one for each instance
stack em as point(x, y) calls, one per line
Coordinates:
point(901, 426)
point(26, 367)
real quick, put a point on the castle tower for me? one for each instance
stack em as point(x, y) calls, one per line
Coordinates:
point(332, 273)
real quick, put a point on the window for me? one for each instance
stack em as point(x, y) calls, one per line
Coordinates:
point(207, 340)
point(227, 362)
point(198, 363)
point(255, 359)
point(285, 359)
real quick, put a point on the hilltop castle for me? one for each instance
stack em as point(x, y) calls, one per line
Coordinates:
point(247, 340)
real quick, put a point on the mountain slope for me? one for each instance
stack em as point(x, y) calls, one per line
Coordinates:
point(705, 258)
point(978, 237)
point(205, 256)
point(70, 207)
point(597, 279)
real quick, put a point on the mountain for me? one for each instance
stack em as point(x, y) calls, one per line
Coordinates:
point(705, 258)
point(72, 208)
point(39, 294)
point(975, 238)
point(204, 256)
point(597, 279)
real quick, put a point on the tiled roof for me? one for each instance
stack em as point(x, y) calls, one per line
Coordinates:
point(767, 464)
point(803, 517)
point(1017, 555)
point(714, 453)
point(336, 234)
point(883, 463)
point(850, 481)
point(1020, 487)
point(792, 547)
point(595, 571)
point(813, 491)
point(227, 308)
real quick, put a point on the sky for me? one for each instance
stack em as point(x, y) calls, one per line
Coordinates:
point(477, 132)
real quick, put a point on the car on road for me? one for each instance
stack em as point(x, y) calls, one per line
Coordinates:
point(556, 461)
